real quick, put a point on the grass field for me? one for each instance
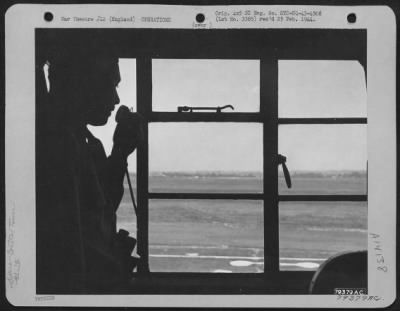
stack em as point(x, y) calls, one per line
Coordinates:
point(228, 235)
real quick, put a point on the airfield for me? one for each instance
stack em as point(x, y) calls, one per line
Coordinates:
point(227, 236)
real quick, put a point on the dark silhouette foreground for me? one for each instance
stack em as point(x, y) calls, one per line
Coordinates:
point(79, 188)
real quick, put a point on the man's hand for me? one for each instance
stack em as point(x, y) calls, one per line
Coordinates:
point(128, 133)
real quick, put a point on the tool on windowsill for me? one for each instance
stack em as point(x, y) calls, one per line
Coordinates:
point(192, 109)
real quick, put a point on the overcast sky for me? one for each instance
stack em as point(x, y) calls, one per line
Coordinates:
point(306, 89)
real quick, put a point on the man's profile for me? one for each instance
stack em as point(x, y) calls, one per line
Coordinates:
point(79, 187)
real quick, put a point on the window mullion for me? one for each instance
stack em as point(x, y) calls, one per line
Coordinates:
point(144, 99)
point(269, 110)
point(359, 120)
point(245, 117)
point(205, 196)
point(323, 198)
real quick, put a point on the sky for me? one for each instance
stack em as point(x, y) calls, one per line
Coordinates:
point(307, 88)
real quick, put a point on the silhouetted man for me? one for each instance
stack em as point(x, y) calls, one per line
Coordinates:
point(79, 188)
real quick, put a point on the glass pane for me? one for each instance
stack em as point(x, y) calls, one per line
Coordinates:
point(321, 88)
point(206, 83)
point(311, 232)
point(206, 236)
point(324, 159)
point(127, 86)
point(205, 157)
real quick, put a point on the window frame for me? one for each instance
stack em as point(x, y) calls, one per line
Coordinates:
point(268, 117)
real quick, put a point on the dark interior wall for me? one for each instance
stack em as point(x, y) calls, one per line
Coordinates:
point(178, 43)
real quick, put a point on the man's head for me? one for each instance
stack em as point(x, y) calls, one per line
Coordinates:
point(100, 92)
point(84, 85)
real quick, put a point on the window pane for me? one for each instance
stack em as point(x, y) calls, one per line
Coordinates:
point(311, 232)
point(321, 88)
point(206, 236)
point(206, 83)
point(205, 157)
point(127, 86)
point(324, 159)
